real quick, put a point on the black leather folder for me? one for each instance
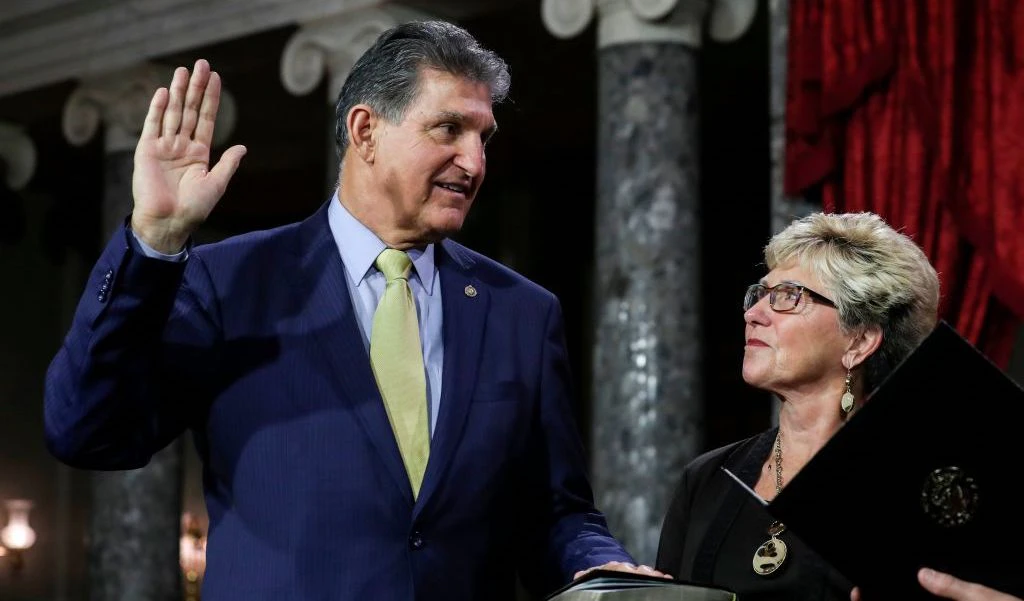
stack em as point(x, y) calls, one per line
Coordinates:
point(926, 473)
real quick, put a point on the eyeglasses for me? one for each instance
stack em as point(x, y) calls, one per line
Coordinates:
point(781, 297)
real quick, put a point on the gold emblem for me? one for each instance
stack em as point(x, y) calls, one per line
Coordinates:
point(949, 496)
point(470, 291)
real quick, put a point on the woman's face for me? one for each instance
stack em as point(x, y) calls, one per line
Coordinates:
point(797, 351)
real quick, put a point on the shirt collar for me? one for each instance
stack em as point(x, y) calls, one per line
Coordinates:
point(359, 248)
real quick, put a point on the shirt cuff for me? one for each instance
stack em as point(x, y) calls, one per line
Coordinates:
point(152, 253)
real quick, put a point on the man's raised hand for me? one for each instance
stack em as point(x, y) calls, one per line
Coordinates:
point(173, 185)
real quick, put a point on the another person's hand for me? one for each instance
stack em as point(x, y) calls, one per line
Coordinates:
point(173, 186)
point(949, 587)
point(619, 566)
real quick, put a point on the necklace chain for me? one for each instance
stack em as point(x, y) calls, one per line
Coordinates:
point(772, 553)
point(778, 463)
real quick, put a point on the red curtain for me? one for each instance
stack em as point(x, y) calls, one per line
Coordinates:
point(914, 109)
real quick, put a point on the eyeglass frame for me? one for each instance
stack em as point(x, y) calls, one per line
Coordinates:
point(770, 292)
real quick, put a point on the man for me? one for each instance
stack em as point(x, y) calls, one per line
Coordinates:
point(374, 424)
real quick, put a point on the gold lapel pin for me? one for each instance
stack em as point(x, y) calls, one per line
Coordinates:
point(470, 291)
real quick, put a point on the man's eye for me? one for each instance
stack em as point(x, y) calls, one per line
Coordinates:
point(449, 129)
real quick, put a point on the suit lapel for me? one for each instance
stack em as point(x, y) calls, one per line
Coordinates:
point(331, 320)
point(464, 305)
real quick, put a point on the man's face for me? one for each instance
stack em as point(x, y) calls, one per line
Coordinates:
point(430, 166)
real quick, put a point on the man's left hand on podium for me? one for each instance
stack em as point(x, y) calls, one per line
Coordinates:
point(619, 566)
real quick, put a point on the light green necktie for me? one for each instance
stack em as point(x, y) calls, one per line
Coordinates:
point(397, 360)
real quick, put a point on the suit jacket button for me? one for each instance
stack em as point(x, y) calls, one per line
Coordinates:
point(416, 541)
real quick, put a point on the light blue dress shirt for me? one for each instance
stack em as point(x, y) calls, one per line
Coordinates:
point(359, 248)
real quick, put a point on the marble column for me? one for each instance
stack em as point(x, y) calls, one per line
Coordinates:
point(783, 208)
point(329, 48)
point(136, 514)
point(648, 406)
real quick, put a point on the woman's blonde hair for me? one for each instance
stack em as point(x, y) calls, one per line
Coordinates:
point(874, 274)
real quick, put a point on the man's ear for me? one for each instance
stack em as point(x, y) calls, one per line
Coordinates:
point(362, 122)
point(862, 345)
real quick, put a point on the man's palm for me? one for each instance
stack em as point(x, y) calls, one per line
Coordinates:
point(173, 187)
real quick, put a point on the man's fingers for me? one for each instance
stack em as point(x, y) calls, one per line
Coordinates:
point(172, 114)
point(194, 97)
point(207, 117)
point(226, 166)
point(155, 116)
point(622, 566)
point(649, 570)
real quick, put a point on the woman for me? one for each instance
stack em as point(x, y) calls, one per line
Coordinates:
point(846, 298)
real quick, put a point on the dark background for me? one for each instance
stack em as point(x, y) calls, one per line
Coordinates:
point(535, 213)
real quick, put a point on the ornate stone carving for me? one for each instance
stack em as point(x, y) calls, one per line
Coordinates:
point(730, 19)
point(652, 9)
point(567, 18)
point(681, 23)
point(18, 154)
point(54, 40)
point(120, 101)
point(666, 21)
point(333, 45)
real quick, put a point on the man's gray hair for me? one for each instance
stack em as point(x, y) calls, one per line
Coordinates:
point(386, 77)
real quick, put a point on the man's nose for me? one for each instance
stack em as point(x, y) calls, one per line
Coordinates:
point(472, 158)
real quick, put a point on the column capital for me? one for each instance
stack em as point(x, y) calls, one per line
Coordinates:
point(331, 46)
point(665, 21)
point(18, 153)
point(120, 101)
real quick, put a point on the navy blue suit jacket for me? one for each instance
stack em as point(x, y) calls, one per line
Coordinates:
point(252, 344)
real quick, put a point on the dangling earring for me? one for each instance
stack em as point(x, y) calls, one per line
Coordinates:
point(846, 404)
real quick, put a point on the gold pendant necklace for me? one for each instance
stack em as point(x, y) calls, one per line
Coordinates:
point(769, 556)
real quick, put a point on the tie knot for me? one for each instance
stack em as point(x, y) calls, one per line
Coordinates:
point(394, 264)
